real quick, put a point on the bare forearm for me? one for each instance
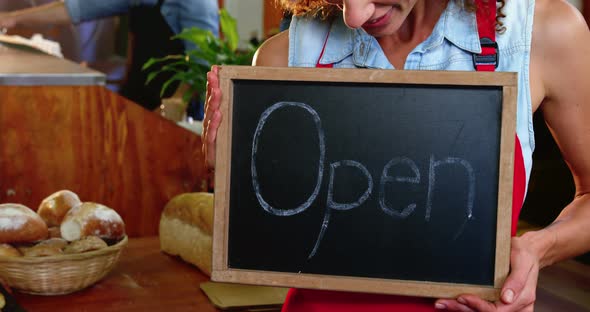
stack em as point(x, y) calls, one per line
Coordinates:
point(567, 236)
point(48, 14)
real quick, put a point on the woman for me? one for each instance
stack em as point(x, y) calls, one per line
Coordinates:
point(545, 41)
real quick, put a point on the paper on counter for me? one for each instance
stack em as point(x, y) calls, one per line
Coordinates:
point(36, 42)
point(228, 296)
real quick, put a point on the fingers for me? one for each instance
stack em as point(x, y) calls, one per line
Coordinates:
point(213, 77)
point(213, 101)
point(451, 305)
point(212, 117)
point(518, 293)
point(211, 137)
point(524, 270)
point(212, 82)
point(213, 106)
point(477, 304)
point(211, 125)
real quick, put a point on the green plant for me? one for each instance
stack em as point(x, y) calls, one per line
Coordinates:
point(191, 67)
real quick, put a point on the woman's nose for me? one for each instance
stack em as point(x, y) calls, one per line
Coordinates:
point(357, 12)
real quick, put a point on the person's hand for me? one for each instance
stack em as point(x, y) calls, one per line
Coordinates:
point(212, 116)
point(518, 292)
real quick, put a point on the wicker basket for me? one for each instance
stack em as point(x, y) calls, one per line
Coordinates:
point(58, 275)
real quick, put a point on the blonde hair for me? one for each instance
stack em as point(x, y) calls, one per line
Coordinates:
point(325, 9)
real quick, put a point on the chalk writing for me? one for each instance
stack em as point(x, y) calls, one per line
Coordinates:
point(347, 206)
point(340, 206)
point(264, 117)
point(387, 177)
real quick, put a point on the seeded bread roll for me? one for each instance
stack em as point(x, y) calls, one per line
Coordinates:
point(92, 219)
point(53, 208)
point(20, 224)
point(186, 228)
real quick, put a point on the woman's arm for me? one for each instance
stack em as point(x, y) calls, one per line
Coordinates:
point(561, 45)
point(560, 87)
point(273, 52)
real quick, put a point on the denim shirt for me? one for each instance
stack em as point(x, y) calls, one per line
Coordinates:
point(451, 45)
point(179, 14)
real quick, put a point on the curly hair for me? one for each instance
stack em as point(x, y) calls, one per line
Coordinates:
point(325, 9)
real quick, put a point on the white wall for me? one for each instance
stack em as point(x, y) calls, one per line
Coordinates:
point(249, 14)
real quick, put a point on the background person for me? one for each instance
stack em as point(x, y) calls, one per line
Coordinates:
point(151, 24)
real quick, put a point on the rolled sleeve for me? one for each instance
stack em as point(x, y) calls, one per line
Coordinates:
point(86, 10)
point(182, 14)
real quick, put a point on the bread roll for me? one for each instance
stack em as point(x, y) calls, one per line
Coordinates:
point(20, 224)
point(48, 247)
point(53, 208)
point(86, 244)
point(186, 228)
point(55, 242)
point(92, 219)
point(9, 251)
point(41, 250)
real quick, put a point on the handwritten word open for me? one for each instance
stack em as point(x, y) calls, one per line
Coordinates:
point(387, 176)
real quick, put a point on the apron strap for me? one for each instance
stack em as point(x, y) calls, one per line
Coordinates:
point(488, 61)
point(486, 26)
point(318, 65)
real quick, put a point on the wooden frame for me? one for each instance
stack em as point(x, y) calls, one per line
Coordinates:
point(221, 271)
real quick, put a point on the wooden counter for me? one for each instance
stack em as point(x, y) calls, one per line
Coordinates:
point(59, 130)
point(148, 280)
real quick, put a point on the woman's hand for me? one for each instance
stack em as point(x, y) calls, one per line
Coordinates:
point(518, 292)
point(212, 116)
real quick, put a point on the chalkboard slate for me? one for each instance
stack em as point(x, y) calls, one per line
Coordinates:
point(389, 180)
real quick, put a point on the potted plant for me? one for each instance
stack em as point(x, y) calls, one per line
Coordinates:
point(190, 68)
